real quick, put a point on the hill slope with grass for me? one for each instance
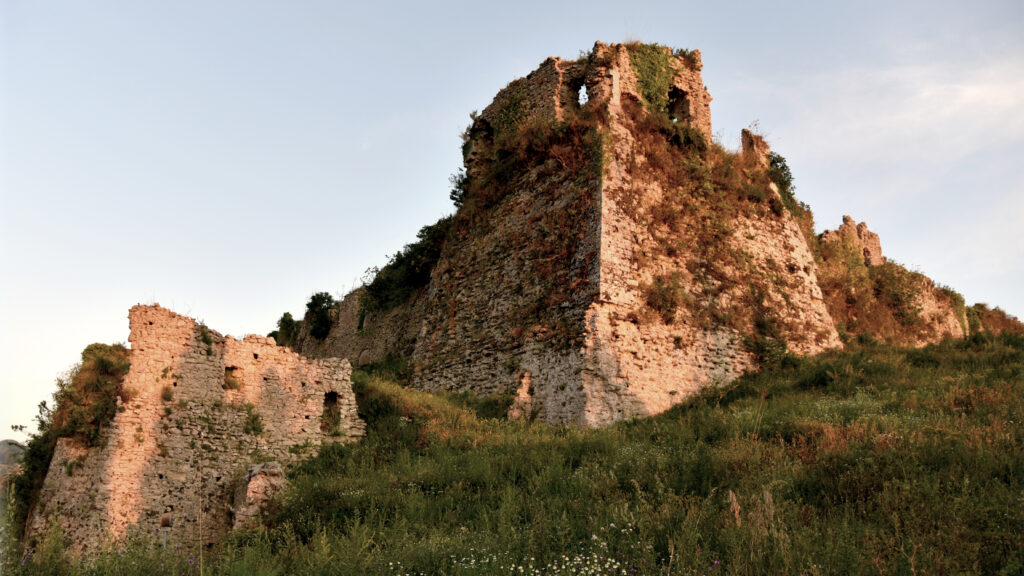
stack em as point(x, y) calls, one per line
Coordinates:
point(870, 460)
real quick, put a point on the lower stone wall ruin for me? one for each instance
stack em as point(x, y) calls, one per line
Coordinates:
point(205, 407)
point(368, 336)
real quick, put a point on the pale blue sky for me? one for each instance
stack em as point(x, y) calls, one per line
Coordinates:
point(227, 159)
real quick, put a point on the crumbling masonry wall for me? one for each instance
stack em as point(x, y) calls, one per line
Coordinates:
point(204, 408)
point(546, 295)
point(851, 256)
point(370, 336)
point(639, 365)
point(485, 322)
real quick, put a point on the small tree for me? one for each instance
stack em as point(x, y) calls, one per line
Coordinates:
point(780, 174)
point(285, 334)
point(460, 187)
point(318, 314)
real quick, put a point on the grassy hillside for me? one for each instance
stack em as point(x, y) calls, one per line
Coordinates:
point(874, 460)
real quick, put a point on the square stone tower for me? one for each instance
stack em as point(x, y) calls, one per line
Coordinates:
point(609, 259)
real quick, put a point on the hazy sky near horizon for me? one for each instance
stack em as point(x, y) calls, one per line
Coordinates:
point(227, 159)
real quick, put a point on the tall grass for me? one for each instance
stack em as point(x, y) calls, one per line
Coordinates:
point(874, 460)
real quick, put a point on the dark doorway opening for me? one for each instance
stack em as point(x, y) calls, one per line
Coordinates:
point(330, 419)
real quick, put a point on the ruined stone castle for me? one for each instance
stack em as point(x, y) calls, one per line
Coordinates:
point(608, 260)
point(205, 408)
point(615, 282)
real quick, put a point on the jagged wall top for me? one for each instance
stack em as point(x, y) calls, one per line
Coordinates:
point(204, 407)
point(866, 241)
point(607, 72)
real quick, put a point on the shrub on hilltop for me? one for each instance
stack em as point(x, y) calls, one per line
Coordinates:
point(83, 406)
point(318, 315)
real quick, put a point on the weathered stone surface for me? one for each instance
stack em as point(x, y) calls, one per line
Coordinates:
point(852, 255)
point(204, 408)
point(868, 242)
point(541, 300)
point(755, 147)
point(372, 334)
point(255, 491)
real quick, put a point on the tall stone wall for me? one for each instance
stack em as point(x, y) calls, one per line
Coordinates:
point(507, 302)
point(639, 364)
point(543, 296)
point(204, 408)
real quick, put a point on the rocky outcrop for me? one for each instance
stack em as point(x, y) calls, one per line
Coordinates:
point(203, 408)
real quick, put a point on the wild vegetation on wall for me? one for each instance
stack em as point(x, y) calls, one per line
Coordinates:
point(652, 66)
point(570, 149)
point(881, 302)
point(705, 189)
point(287, 330)
point(83, 406)
point(981, 317)
point(317, 318)
point(407, 271)
point(318, 314)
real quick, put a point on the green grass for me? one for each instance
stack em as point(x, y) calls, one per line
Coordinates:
point(652, 66)
point(874, 460)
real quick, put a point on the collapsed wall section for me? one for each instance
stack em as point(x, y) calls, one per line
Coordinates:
point(204, 407)
point(871, 296)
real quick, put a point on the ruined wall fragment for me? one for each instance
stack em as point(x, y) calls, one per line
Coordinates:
point(204, 408)
point(866, 294)
point(866, 242)
point(541, 293)
point(364, 337)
